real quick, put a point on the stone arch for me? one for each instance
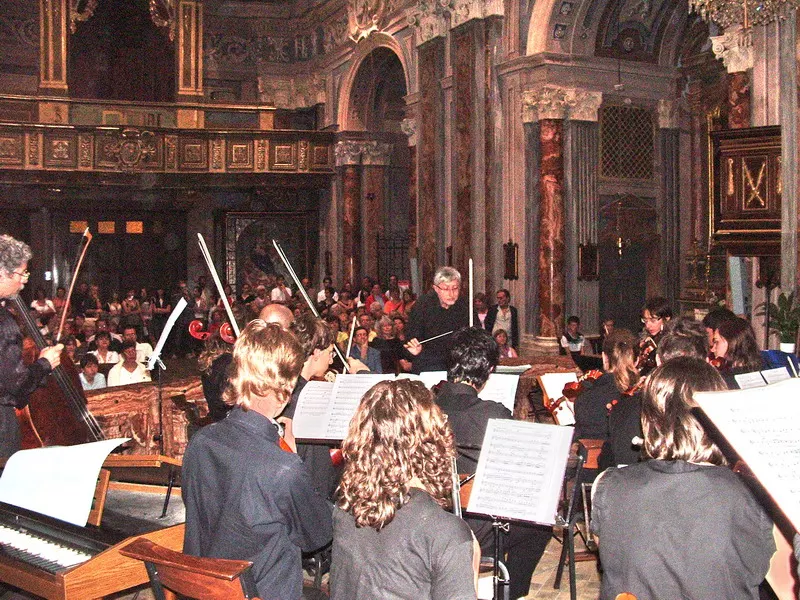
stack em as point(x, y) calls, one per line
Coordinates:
point(379, 46)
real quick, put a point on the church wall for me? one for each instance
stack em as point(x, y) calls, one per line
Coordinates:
point(19, 47)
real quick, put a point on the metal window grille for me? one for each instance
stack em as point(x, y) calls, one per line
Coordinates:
point(393, 257)
point(627, 138)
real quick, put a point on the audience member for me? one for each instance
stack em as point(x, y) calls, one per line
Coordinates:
point(103, 352)
point(128, 370)
point(89, 376)
point(362, 351)
point(143, 349)
point(504, 316)
point(572, 341)
point(501, 337)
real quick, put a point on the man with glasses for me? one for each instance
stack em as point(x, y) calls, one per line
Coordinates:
point(438, 312)
point(17, 381)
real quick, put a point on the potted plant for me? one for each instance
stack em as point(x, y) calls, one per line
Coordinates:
point(784, 319)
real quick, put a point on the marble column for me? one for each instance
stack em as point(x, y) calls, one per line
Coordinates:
point(669, 209)
point(735, 50)
point(429, 153)
point(53, 51)
point(790, 207)
point(582, 206)
point(549, 106)
point(409, 126)
point(348, 159)
point(375, 156)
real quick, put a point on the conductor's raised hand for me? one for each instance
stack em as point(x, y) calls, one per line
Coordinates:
point(413, 346)
point(356, 366)
point(52, 354)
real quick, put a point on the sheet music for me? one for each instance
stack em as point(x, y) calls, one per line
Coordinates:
point(328, 416)
point(173, 316)
point(763, 425)
point(776, 375)
point(312, 411)
point(501, 388)
point(553, 383)
point(520, 470)
point(56, 481)
point(747, 381)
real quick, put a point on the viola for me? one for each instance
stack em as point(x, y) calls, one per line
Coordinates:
point(629, 393)
point(575, 388)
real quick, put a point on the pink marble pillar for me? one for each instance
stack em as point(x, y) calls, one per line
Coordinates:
point(551, 228)
point(351, 222)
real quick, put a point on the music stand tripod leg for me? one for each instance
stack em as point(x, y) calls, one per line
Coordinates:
point(170, 483)
point(497, 526)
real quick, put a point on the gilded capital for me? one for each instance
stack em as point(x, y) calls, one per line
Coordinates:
point(549, 102)
point(347, 152)
point(734, 48)
point(466, 10)
point(409, 127)
point(429, 18)
point(362, 152)
point(586, 106)
point(667, 114)
point(376, 153)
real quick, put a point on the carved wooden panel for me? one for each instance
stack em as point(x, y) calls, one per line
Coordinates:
point(283, 156)
point(193, 153)
point(12, 149)
point(239, 155)
point(61, 150)
point(320, 157)
point(746, 190)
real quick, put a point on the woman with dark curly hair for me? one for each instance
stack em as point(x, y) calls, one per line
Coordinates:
point(392, 536)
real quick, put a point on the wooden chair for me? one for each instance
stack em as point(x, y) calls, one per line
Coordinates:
point(192, 576)
point(99, 499)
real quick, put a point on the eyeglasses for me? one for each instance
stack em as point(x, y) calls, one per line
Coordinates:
point(650, 319)
point(23, 274)
point(451, 290)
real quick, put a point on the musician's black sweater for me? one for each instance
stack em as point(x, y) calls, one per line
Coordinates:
point(428, 319)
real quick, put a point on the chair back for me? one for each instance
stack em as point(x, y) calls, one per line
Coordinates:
point(193, 576)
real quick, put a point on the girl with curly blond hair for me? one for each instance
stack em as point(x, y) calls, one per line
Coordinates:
point(392, 536)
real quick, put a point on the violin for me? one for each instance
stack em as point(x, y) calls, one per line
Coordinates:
point(629, 393)
point(720, 363)
point(647, 355)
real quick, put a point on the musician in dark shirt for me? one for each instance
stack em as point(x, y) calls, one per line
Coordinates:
point(439, 311)
point(473, 356)
point(17, 380)
point(246, 498)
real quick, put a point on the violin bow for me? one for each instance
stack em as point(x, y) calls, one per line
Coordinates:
point(87, 238)
point(304, 294)
point(207, 256)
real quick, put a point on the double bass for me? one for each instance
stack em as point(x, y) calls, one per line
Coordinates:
point(56, 414)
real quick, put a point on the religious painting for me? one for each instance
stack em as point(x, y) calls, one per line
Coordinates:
point(250, 255)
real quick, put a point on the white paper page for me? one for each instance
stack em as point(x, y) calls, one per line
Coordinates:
point(347, 393)
point(512, 369)
point(312, 413)
point(56, 481)
point(428, 378)
point(520, 470)
point(747, 381)
point(554, 383)
point(501, 388)
point(763, 425)
point(776, 375)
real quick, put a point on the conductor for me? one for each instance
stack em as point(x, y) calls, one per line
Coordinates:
point(17, 380)
point(440, 311)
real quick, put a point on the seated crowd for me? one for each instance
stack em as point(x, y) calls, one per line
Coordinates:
point(672, 519)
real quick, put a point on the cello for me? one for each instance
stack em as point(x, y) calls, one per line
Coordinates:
point(56, 414)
